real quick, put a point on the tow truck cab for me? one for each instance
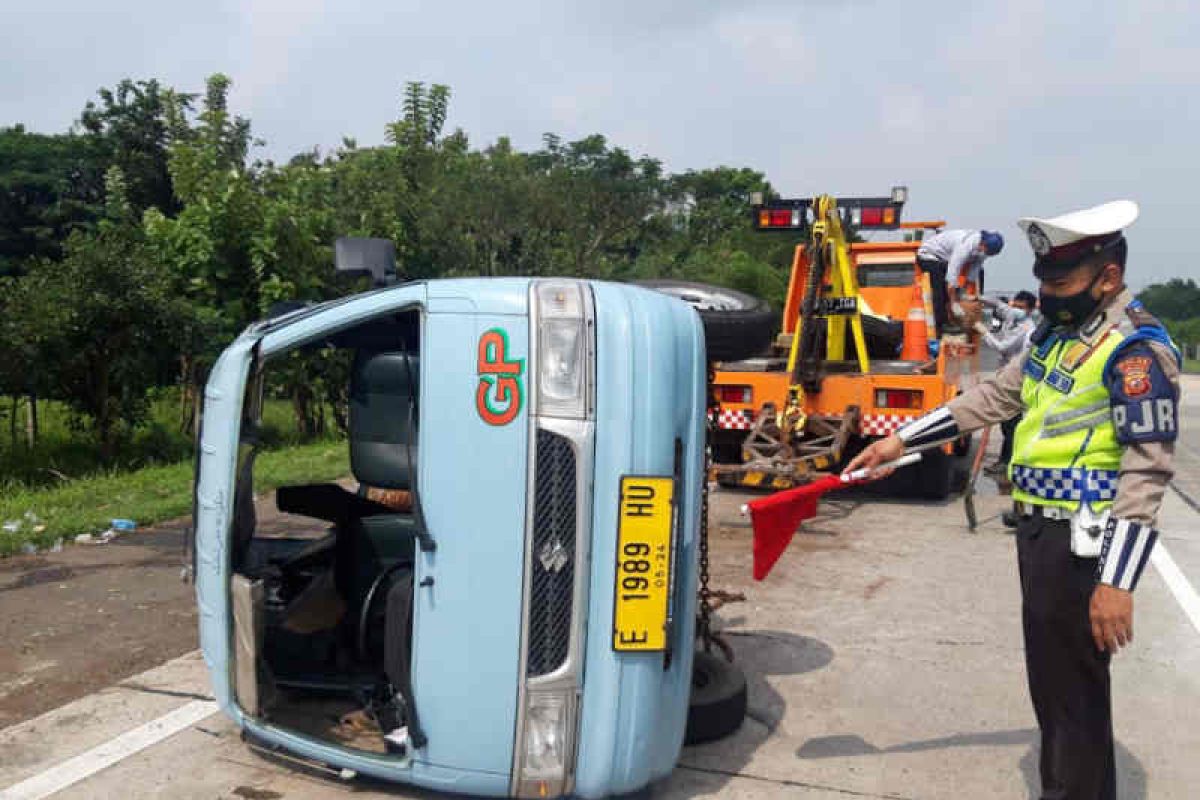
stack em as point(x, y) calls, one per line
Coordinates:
point(502, 600)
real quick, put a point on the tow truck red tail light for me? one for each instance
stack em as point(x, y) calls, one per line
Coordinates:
point(779, 218)
point(735, 394)
point(898, 398)
point(875, 216)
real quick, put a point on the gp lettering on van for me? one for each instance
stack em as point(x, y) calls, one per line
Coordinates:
point(499, 395)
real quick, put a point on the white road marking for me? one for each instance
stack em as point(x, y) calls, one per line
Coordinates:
point(105, 755)
point(1184, 592)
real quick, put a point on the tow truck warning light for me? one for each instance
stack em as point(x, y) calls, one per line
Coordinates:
point(781, 218)
point(873, 217)
point(880, 213)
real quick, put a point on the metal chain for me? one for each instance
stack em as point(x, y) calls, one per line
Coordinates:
point(704, 621)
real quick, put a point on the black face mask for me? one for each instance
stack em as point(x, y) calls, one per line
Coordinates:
point(1070, 311)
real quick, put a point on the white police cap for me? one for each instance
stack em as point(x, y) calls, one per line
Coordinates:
point(1062, 242)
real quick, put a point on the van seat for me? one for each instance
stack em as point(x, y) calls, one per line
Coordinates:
point(383, 418)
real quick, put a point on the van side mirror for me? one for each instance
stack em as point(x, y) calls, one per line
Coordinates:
point(358, 256)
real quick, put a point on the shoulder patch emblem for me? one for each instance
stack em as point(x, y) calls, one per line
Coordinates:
point(1135, 375)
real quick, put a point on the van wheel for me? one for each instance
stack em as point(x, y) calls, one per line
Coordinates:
point(736, 325)
point(718, 702)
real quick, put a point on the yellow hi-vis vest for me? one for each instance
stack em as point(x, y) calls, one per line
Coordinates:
point(1065, 448)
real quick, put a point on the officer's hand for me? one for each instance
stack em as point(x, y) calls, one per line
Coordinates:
point(879, 452)
point(1111, 613)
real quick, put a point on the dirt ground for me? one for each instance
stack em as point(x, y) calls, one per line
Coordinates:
point(91, 616)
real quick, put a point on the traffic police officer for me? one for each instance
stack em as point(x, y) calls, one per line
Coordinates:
point(1099, 391)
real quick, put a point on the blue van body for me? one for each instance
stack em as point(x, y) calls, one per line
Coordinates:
point(483, 462)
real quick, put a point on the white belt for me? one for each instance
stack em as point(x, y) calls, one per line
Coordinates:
point(1045, 512)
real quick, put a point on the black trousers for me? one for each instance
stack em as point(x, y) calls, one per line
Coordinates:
point(1007, 429)
point(937, 287)
point(1068, 676)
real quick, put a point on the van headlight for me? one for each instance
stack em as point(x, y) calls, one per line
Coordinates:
point(547, 743)
point(563, 352)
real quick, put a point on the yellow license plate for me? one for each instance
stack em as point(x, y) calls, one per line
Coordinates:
point(643, 563)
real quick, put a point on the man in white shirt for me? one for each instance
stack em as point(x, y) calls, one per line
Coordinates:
point(953, 260)
point(1016, 323)
point(1016, 326)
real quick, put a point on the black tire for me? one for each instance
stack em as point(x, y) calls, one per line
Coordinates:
point(736, 325)
point(718, 702)
point(727, 446)
point(884, 338)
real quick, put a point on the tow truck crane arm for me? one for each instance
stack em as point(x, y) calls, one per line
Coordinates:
point(826, 218)
point(827, 248)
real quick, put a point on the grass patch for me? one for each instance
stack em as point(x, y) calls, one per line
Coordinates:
point(148, 495)
point(65, 450)
point(1191, 366)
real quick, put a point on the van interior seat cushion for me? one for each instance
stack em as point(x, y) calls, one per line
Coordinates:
point(382, 387)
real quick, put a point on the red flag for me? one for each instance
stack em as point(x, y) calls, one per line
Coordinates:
point(775, 519)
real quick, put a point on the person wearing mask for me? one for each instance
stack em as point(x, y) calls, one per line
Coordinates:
point(1099, 388)
point(954, 260)
point(1016, 325)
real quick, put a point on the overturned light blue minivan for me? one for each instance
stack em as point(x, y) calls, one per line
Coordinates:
point(503, 600)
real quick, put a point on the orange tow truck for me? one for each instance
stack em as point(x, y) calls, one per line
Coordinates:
point(856, 357)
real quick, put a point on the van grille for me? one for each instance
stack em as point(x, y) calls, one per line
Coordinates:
point(552, 576)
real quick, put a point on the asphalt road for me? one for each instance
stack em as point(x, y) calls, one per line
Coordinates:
point(884, 659)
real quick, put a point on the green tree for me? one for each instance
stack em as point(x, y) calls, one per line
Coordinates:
point(713, 205)
point(1177, 299)
point(98, 326)
point(424, 156)
point(210, 243)
point(1185, 332)
point(598, 200)
point(49, 187)
point(130, 127)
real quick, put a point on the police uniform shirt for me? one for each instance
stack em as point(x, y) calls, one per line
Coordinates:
point(1143, 383)
point(1146, 461)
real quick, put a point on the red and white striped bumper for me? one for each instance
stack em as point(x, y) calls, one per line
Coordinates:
point(735, 419)
point(883, 424)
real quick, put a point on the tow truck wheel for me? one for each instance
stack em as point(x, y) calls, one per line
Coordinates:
point(718, 702)
point(935, 475)
point(727, 446)
point(736, 325)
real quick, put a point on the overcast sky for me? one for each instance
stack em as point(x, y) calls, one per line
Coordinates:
point(987, 111)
